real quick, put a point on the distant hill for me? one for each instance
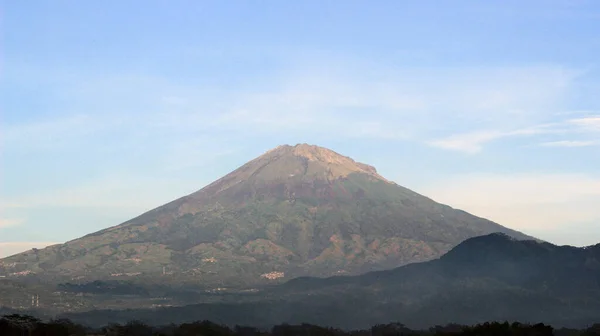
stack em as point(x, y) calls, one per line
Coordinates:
point(295, 211)
point(488, 278)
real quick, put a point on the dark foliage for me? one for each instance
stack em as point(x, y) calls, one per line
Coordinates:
point(20, 325)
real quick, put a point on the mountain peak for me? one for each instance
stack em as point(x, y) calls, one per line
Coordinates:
point(336, 164)
point(320, 154)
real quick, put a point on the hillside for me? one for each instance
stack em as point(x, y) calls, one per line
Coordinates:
point(295, 211)
point(492, 277)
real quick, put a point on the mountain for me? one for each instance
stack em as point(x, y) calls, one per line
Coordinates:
point(487, 278)
point(294, 211)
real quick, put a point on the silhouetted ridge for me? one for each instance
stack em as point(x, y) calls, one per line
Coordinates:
point(497, 253)
point(494, 244)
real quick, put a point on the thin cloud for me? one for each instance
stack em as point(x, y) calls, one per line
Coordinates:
point(387, 104)
point(569, 143)
point(470, 143)
point(591, 123)
point(473, 142)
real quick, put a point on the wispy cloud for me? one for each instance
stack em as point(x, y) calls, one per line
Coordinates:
point(591, 123)
point(473, 142)
point(468, 142)
point(569, 143)
point(345, 102)
point(144, 122)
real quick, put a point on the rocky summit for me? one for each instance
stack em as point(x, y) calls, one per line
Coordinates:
point(294, 211)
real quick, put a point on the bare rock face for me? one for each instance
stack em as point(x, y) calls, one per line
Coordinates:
point(293, 211)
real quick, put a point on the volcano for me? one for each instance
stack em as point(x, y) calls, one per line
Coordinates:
point(294, 211)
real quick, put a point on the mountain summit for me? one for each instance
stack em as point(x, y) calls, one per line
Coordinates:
point(293, 211)
point(300, 162)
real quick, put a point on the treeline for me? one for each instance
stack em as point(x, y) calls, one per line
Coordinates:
point(20, 325)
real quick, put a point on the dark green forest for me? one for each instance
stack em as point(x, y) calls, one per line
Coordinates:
point(20, 325)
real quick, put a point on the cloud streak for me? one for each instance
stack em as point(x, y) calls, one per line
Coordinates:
point(389, 104)
point(470, 143)
point(474, 142)
point(569, 143)
point(591, 124)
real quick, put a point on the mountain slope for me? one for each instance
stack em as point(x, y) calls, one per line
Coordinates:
point(294, 211)
point(487, 278)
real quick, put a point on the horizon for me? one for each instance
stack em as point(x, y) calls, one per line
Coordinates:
point(491, 108)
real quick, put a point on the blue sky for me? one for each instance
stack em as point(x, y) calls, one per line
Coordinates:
point(111, 108)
